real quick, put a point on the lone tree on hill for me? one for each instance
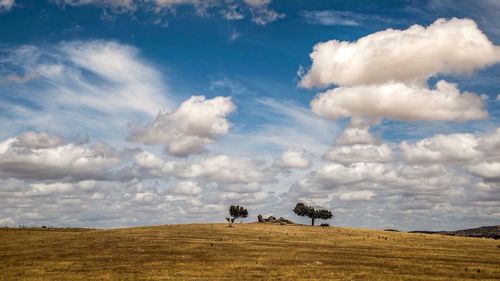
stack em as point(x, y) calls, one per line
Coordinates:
point(304, 210)
point(236, 212)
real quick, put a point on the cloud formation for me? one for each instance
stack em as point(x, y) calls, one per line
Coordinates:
point(480, 151)
point(384, 74)
point(293, 158)
point(454, 46)
point(38, 156)
point(196, 123)
point(400, 101)
point(92, 86)
point(359, 153)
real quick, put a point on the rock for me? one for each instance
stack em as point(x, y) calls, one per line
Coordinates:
point(260, 218)
point(272, 219)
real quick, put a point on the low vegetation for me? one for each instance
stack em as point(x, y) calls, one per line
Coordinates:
point(248, 251)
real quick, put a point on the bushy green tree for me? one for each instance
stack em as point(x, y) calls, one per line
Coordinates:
point(236, 212)
point(304, 210)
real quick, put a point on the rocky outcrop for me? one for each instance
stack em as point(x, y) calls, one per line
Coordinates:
point(272, 219)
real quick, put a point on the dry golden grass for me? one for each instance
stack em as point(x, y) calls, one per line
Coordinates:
point(244, 252)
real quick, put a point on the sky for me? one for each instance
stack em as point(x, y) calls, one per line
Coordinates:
point(118, 113)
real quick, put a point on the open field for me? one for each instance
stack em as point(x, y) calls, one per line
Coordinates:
point(246, 251)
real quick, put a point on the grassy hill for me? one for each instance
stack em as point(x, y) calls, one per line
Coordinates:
point(244, 252)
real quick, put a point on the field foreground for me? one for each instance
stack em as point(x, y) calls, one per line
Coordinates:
point(244, 252)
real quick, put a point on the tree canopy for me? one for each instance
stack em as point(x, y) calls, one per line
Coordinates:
point(304, 210)
point(236, 212)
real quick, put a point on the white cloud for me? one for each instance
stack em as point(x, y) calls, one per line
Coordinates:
point(232, 12)
point(465, 148)
point(225, 169)
point(138, 86)
point(400, 101)
point(357, 132)
point(442, 148)
point(333, 175)
point(196, 123)
point(234, 35)
point(229, 10)
point(257, 3)
point(219, 169)
point(118, 5)
point(414, 54)
point(487, 170)
point(6, 5)
point(201, 6)
point(359, 153)
point(93, 87)
point(26, 157)
point(261, 13)
point(185, 188)
point(362, 195)
point(294, 158)
point(39, 140)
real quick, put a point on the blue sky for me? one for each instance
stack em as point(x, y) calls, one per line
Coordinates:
point(134, 112)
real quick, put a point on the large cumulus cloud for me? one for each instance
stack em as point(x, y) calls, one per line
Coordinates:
point(43, 157)
point(445, 46)
point(400, 101)
point(385, 73)
point(196, 123)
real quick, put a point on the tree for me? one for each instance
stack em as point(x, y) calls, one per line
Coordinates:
point(236, 212)
point(304, 210)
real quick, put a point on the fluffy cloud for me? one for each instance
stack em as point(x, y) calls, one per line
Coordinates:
point(486, 170)
point(400, 101)
point(332, 175)
point(359, 153)
point(42, 157)
point(443, 176)
point(185, 188)
point(465, 148)
point(219, 169)
point(357, 132)
point(39, 140)
point(228, 170)
point(478, 154)
point(293, 158)
point(442, 148)
point(196, 123)
point(361, 195)
point(446, 46)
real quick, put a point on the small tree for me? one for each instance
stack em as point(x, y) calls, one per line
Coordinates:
point(304, 210)
point(236, 212)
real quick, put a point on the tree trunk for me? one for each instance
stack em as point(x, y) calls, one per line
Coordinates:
point(312, 221)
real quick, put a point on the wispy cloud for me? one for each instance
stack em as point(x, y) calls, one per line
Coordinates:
point(92, 85)
point(342, 18)
point(330, 17)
